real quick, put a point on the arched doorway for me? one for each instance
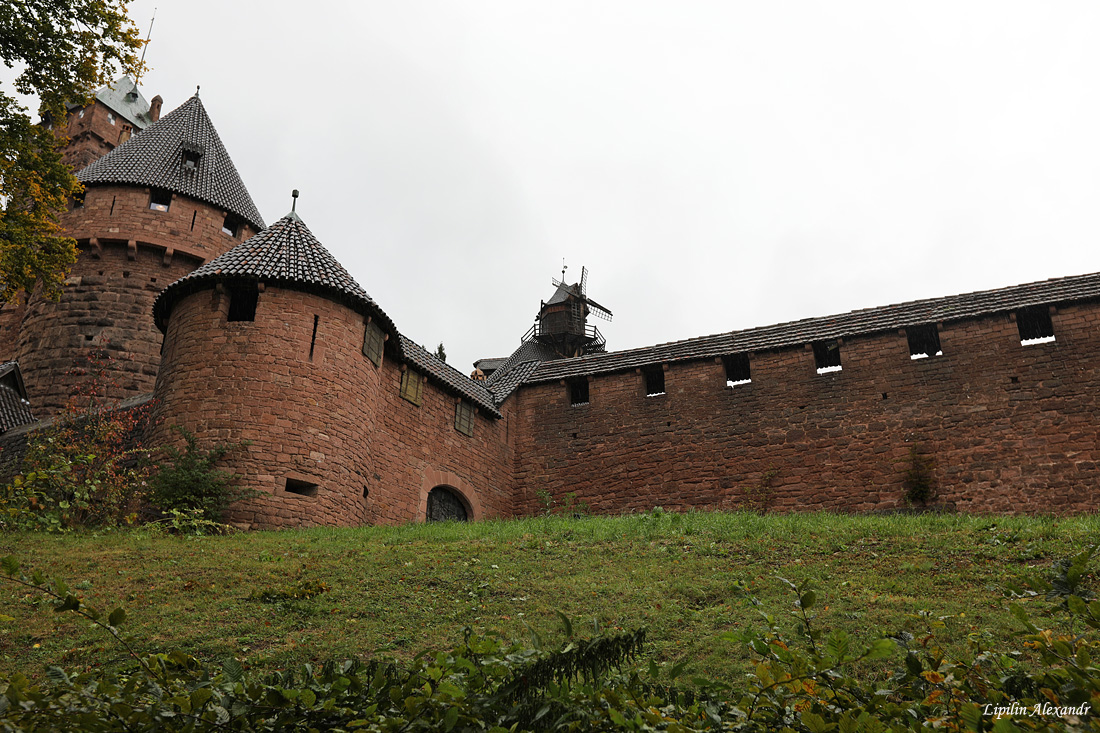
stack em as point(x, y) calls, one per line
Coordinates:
point(446, 504)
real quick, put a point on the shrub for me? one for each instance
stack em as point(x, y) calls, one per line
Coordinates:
point(189, 480)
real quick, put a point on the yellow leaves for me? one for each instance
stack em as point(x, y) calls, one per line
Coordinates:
point(932, 676)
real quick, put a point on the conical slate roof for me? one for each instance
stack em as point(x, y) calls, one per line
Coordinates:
point(286, 254)
point(154, 157)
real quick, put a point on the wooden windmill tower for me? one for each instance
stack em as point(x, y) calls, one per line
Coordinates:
point(562, 322)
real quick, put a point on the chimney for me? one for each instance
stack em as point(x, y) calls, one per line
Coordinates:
point(154, 108)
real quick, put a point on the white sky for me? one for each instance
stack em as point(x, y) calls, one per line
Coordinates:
point(716, 165)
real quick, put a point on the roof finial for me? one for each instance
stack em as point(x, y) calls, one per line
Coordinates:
point(294, 203)
point(196, 90)
point(564, 267)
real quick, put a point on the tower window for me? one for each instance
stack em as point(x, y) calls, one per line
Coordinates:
point(231, 225)
point(654, 380)
point(578, 391)
point(159, 199)
point(373, 341)
point(78, 200)
point(1035, 325)
point(737, 369)
point(110, 118)
point(924, 341)
point(242, 302)
point(464, 417)
point(412, 386)
point(827, 356)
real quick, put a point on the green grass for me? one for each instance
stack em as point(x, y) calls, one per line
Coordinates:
point(395, 591)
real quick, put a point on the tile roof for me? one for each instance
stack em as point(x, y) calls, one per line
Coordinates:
point(518, 367)
point(871, 320)
point(154, 157)
point(447, 376)
point(125, 99)
point(285, 254)
point(14, 409)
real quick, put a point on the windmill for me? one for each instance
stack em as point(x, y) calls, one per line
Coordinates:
point(563, 320)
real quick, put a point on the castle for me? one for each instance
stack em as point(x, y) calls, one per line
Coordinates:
point(243, 332)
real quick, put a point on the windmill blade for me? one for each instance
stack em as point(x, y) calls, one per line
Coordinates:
point(598, 310)
point(584, 281)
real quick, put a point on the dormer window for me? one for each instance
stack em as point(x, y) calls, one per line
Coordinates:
point(159, 199)
point(231, 225)
point(192, 153)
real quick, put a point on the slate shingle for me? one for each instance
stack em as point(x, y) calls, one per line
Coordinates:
point(154, 157)
point(285, 254)
point(861, 322)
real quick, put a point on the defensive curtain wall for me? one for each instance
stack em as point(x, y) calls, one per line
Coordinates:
point(995, 392)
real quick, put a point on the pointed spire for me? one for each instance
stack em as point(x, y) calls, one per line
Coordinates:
point(154, 158)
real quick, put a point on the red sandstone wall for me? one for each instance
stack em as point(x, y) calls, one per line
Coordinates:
point(335, 421)
point(1009, 428)
point(92, 134)
point(129, 253)
point(418, 448)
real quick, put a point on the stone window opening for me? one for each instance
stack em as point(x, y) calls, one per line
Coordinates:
point(301, 488)
point(373, 343)
point(924, 341)
point(654, 376)
point(111, 118)
point(827, 356)
point(1034, 325)
point(737, 369)
point(231, 225)
point(78, 200)
point(242, 302)
point(159, 199)
point(464, 418)
point(412, 386)
point(445, 504)
point(578, 391)
point(313, 339)
point(194, 215)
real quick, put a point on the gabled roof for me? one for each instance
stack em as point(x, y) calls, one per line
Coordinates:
point(154, 158)
point(125, 99)
point(518, 367)
point(854, 323)
point(285, 254)
point(447, 376)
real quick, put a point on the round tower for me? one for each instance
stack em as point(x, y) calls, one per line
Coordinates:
point(154, 209)
point(275, 346)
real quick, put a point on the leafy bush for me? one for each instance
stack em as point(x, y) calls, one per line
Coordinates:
point(85, 469)
point(189, 481)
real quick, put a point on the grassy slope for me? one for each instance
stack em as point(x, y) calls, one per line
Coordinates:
point(402, 589)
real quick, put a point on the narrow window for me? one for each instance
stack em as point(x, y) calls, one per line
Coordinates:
point(737, 369)
point(194, 215)
point(231, 225)
point(654, 380)
point(78, 200)
point(827, 356)
point(313, 339)
point(373, 341)
point(1035, 325)
point(301, 488)
point(578, 391)
point(242, 303)
point(924, 341)
point(159, 199)
point(411, 386)
point(464, 417)
point(113, 199)
point(111, 118)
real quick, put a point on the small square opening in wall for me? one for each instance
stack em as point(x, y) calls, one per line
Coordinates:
point(578, 391)
point(924, 341)
point(242, 302)
point(1035, 325)
point(159, 199)
point(654, 376)
point(827, 356)
point(737, 369)
point(231, 225)
point(301, 488)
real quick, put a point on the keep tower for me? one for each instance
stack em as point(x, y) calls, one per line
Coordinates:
point(275, 345)
point(155, 208)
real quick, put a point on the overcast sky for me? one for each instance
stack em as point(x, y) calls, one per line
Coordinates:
point(716, 165)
